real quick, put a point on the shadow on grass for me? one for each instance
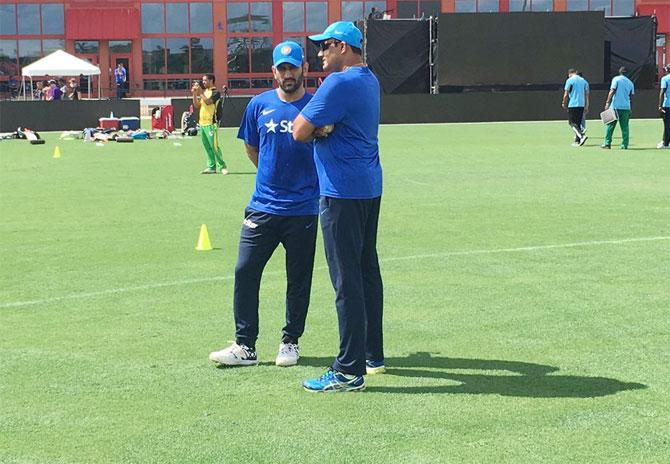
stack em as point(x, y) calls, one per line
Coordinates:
point(519, 379)
point(250, 173)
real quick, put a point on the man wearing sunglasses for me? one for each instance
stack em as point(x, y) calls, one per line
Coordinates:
point(283, 209)
point(343, 120)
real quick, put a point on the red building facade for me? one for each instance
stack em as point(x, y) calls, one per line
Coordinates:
point(165, 44)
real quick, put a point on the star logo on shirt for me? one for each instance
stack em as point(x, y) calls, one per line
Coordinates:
point(272, 126)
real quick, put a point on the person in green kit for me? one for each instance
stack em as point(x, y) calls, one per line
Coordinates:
point(207, 99)
point(621, 90)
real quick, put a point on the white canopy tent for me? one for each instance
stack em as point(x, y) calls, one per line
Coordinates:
point(60, 63)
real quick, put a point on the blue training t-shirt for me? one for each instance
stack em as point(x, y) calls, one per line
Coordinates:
point(623, 89)
point(286, 181)
point(348, 159)
point(576, 88)
point(665, 85)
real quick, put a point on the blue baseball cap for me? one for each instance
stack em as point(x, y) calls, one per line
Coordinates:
point(288, 52)
point(344, 31)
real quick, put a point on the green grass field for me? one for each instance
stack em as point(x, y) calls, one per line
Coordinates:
point(526, 318)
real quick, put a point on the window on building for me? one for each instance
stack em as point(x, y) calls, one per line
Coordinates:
point(317, 16)
point(176, 18)
point(623, 7)
point(577, 5)
point(120, 46)
point(261, 17)
point(202, 55)
point(238, 17)
point(8, 58)
point(245, 17)
point(488, 6)
point(602, 5)
point(542, 5)
point(355, 11)
point(177, 50)
point(261, 54)
point(352, 11)
point(177, 55)
point(153, 56)
point(249, 55)
point(201, 17)
point(294, 16)
point(178, 84)
point(310, 17)
point(153, 19)
point(29, 19)
point(519, 5)
point(86, 47)
point(7, 19)
point(238, 55)
point(477, 6)
point(465, 6)
point(29, 51)
point(417, 9)
point(154, 84)
point(51, 45)
point(52, 18)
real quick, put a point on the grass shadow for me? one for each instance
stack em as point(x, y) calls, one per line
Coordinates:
point(517, 379)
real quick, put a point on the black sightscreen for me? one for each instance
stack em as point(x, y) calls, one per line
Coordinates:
point(397, 52)
point(520, 48)
point(632, 43)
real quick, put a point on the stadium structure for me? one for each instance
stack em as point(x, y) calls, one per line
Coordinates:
point(164, 44)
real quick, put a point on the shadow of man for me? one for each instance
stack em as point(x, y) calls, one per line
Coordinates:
point(497, 377)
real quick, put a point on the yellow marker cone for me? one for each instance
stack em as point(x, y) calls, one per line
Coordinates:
point(203, 240)
point(57, 152)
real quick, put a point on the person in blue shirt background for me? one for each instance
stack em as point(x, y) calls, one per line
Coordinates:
point(588, 93)
point(283, 209)
point(664, 106)
point(621, 91)
point(120, 77)
point(343, 119)
point(576, 88)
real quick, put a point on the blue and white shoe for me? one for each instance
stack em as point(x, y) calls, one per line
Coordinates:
point(374, 367)
point(333, 381)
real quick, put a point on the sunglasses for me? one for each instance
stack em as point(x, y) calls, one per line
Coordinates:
point(325, 45)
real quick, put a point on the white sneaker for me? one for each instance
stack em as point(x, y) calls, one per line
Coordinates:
point(234, 355)
point(661, 146)
point(224, 171)
point(288, 355)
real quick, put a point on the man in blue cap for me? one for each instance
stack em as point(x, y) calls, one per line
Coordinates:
point(283, 209)
point(343, 120)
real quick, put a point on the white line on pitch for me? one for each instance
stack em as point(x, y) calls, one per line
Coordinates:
point(115, 291)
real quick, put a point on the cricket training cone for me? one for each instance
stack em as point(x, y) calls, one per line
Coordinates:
point(57, 152)
point(203, 240)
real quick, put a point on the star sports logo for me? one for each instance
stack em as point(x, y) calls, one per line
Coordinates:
point(283, 125)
